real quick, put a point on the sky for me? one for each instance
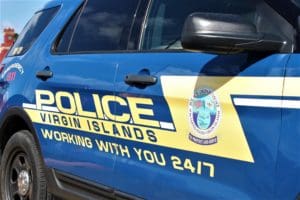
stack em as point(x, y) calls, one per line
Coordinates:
point(16, 13)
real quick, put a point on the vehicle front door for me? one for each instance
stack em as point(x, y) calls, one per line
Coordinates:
point(199, 125)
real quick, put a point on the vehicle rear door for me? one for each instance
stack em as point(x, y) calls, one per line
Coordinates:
point(74, 95)
point(199, 125)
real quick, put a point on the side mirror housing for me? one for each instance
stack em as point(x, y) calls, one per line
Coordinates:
point(218, 32)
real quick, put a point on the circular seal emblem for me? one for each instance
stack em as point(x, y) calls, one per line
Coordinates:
point(204, 117)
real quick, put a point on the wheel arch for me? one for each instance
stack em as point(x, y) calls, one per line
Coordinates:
point(15, 119)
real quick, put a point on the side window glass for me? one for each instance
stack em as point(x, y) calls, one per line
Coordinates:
point(104, 26)
point(32, 31)
point(166, 19)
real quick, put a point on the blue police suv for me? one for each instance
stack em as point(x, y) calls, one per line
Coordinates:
point(153, 99)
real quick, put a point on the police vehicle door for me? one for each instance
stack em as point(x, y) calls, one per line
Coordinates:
point(199, 125)
point(76, 93)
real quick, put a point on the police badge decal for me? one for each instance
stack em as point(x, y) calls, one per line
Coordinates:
point(204, 117)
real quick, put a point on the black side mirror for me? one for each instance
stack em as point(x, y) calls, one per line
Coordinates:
point(218, 32)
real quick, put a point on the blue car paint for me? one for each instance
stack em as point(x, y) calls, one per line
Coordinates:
point(288, 165)
point(271, 136)
point(255, 180)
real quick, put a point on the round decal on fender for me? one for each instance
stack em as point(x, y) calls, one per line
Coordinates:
point(204, 117)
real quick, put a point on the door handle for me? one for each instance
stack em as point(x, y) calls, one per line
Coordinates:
point(140, 80)
point(44, 74)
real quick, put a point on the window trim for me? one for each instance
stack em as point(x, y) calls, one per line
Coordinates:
point(145, 21)
point(133, 23)
point(61, 32)
point(141, 12)
point(76, 24)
